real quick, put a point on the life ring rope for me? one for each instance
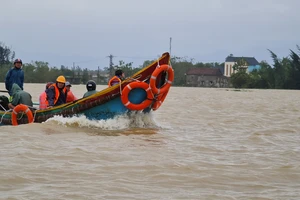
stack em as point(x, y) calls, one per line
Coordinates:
point(24, 109)
point(133, 85)
point(156, 73)
point(159, 100)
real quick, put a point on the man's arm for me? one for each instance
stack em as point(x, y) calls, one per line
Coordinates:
point(10, 106)
point(7, 77)
point(15, 101)
point(50, 95)
point(22, 79)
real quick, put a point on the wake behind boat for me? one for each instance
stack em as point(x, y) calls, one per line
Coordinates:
point(145, 91)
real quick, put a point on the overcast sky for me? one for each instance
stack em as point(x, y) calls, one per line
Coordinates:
point(87, 31)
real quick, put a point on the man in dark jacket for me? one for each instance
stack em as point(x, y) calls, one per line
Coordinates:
point(57, 92)
point(14, 75)
point(91, 88)
point(19, 97)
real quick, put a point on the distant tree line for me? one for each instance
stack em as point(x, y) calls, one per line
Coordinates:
point(41, 72)
point(283, 74)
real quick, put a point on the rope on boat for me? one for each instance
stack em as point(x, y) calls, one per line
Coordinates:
point(2, 107)
point(120, 88)
point(134, 79)
point(21, 116)
point(158, 63)
point(34, 114)
point(6, 111)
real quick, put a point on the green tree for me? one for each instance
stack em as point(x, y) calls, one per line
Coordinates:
point(147, 63)
point(281, 69)
point(29, 73)
point(6, 60)
point(6, 54)
point(3, 70)
point(180, 69)
point(241, 79)
point(41, 71)
point(294, 73)
point(266, 75)
point(85, 76)
point(125, 67)
point(240, 65)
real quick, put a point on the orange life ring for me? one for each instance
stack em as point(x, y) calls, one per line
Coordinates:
point(167, 85)
point(146, 103)
point(21, 108)
point(160, 99)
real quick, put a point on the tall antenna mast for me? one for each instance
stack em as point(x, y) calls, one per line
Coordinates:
point(111, 68)
point(170, 45)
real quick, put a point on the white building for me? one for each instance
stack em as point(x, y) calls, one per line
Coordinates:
point(230, 61)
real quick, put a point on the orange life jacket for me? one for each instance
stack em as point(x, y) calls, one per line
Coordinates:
point(43, 100)
point(70, 97)
point(56, 96)
point(113, 81)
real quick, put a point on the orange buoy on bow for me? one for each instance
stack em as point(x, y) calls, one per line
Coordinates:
point(125, 93)
point(21, 108)
point(160, 99)
point(155, 74)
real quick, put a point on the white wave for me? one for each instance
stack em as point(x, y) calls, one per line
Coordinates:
point(133, 120)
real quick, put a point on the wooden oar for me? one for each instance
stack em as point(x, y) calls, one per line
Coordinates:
point(3, 91)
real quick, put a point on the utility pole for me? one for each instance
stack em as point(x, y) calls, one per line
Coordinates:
point(98, 75)
point(111, 65)
point(170, 45)
point(73, 70)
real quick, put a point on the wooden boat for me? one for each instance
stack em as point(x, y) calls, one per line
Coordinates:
point(145, 91)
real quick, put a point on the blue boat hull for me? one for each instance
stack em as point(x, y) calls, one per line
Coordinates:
point(115, 106)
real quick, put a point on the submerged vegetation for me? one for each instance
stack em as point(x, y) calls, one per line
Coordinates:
point(282, 74)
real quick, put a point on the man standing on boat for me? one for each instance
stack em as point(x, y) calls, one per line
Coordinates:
point(57, 92)
point(118, 78)
point(14, 75)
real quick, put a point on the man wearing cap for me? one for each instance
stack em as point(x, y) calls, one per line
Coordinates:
point(57, 92)
point(14, 75)
point(70, 96)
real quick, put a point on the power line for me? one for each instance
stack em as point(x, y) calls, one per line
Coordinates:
point(135, 57)
point(86, 61)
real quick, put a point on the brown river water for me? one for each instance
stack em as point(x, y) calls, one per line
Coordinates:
point(202, 143)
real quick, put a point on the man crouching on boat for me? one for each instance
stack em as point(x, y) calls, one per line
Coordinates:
point(57, 93)
point(19, 97)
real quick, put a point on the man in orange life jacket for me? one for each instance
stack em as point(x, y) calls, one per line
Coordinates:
point(43, 97)
point(70, 97)
point(57, 93)
point(119, 77)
